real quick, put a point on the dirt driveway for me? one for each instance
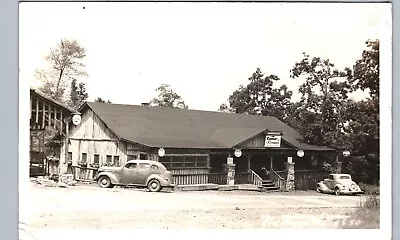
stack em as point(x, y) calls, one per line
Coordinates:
point(89, 207)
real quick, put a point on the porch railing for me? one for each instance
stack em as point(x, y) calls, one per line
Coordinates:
point(242, 177)
point(278, 180)
point(255, 179)
point(217, 178)
point(191, 178)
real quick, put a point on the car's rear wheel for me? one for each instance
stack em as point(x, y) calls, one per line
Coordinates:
point(154, 185)
point(104, 182)
point(337, 191)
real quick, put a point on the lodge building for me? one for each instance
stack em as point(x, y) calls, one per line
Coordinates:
point(197, 145)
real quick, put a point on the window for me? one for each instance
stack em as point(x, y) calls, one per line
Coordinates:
point(177, 161)
point(166, 161)
point(96, 159)
point(108, 160)
point(144, 166)
point(201, 161)
point(132, 157)
point(190, 161)
point(84, 158)
point(143, 156)
point(69, 156)
point(116, 161)
point(344, 177)
point(131, 165)
point(184, 161)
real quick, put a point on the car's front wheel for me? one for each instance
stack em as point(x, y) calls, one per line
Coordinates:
point(104, 182)
point(154, 185)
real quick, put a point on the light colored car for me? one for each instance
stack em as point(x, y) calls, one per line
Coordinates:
point(338, 184)
point(139, 173)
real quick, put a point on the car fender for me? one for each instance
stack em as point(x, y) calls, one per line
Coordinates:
point(340, 186)
point(162, 181)
point(113, 177)
point(322, 186)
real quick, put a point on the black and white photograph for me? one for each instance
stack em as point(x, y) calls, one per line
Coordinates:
point(198, 116)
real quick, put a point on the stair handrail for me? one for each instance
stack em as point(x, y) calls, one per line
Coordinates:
point(281, 180)
point(255, 178)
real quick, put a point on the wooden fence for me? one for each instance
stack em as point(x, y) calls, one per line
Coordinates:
point(84, 173)
point(308, 179)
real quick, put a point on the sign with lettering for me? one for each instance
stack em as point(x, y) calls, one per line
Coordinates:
point(272, 141)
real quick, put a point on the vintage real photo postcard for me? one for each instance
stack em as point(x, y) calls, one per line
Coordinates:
point(266, 117)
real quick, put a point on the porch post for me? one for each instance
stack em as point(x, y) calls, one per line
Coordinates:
point(271, 161)
point(290, 179)
point(338, 164)
point(230, 171)
point(248, 163)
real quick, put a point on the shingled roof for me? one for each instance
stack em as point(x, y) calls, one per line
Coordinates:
point(183, 128)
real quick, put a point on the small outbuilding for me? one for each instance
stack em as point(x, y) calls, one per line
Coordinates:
point(47, 117)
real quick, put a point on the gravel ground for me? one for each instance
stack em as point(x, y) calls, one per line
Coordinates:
point(89, 207)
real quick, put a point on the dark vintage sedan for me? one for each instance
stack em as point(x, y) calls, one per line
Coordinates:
point(138, 173)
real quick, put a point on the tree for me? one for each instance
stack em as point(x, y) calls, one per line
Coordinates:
point(100, 100)
point(66, 64)
point(362, 118)
point(78, 94)
point(167, 98)
point(323, 95)
point(260, 98)
point(366, 70)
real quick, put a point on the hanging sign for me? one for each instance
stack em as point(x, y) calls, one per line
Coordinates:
point(161, 152)
point(76, 119)
point(238, 153)
point(272, 141)
point(300, 153)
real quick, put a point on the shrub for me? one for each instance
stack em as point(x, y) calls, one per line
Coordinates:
point(370, 189)
point(367, 215)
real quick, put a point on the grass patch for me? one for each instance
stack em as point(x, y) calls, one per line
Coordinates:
point(370, 189)
point(366, 216)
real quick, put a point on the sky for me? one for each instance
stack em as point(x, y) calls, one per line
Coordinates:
point(203, 50)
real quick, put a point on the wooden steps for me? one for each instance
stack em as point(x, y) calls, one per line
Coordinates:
point(269, 185)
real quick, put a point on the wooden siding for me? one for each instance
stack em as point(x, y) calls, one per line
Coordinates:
point(92, 137)
point(91, 127)
point(102, 148)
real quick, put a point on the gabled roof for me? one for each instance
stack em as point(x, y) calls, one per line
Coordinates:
point(183, 128)
point(48, 98)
